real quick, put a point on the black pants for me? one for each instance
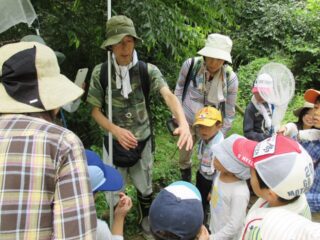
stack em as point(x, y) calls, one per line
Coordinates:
point(204, 186)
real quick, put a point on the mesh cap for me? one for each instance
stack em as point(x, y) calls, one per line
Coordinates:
point(282, 163)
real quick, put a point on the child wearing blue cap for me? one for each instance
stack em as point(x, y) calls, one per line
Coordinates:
point(176, 213)
point(106, 178)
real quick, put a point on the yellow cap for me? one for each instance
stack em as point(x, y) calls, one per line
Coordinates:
point(207, 116)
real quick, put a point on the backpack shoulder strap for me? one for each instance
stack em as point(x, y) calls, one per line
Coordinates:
point(145, 81)
point(228, 70)
point(145, 85)
point(187, 81)
point(103, 83)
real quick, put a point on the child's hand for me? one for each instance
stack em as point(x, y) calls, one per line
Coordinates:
point(124, 205)
point(282, 130)
point(203, 234)
point(209, 197)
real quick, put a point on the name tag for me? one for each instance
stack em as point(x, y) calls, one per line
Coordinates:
point(265, 147)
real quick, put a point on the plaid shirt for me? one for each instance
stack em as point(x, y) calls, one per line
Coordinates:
point(45, 191)
point(313, 196)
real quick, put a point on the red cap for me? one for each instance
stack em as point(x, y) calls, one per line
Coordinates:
point(283, 165)
point(250, 152)
point(311, 95)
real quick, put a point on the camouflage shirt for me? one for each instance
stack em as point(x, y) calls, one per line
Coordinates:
point(128, 113)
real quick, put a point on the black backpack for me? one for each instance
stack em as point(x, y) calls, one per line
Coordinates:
point(145, 85)
point(188, 80)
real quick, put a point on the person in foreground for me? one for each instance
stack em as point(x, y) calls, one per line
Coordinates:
point(45, 191)
point(281, 173)
point(208, 123)
point(309, 138)
point(131, 124)
point(176, 213)
point(106, 178)
point(311, 142)
point(230, 193)
point(281, 224)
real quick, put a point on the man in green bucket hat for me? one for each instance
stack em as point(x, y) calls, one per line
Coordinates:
point(130, 125)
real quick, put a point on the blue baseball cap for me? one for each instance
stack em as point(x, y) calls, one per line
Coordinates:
point(177, 210)
point(102, 176)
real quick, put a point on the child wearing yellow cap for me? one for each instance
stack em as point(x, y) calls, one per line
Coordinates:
point(208, 123)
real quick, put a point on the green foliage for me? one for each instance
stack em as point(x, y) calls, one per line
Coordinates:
point(289, 28)
point(262, 31)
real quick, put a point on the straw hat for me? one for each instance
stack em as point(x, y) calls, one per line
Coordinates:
point(217, 46)
point(297, 111)
point(31, 80)
point(117, 28)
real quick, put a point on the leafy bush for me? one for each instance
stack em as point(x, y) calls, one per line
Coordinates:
point(289, 28)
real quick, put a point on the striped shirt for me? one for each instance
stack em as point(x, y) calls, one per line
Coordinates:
point(194, 99)
point(253, 222)
point(45, 191)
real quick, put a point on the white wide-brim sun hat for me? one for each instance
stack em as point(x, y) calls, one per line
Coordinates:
point(31, 80)
point(217, 46)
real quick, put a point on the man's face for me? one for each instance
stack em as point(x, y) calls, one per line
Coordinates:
point(123, 50)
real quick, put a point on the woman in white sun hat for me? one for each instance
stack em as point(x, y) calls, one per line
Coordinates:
point(207, 80)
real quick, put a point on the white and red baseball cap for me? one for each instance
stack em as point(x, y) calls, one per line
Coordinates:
point(281, 162)
point(263, 83)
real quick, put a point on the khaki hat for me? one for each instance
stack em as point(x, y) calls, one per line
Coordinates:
point(31, 80)
point(297, 111)
point(35, 38)
point(207, 116)
point(311, 95)
point(117, 28)
point(217, 46)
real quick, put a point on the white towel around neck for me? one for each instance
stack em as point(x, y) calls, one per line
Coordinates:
point(123, 76)
point(215, 93)
point(263, 111)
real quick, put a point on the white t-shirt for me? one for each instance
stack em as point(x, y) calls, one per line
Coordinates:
point(257, 212)
point(228, 207)
point(103, 232)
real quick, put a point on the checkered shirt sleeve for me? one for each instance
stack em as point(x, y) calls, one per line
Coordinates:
point(45, 190)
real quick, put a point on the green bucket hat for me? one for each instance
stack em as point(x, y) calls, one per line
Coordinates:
point(35, 38)
point(117, 28)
